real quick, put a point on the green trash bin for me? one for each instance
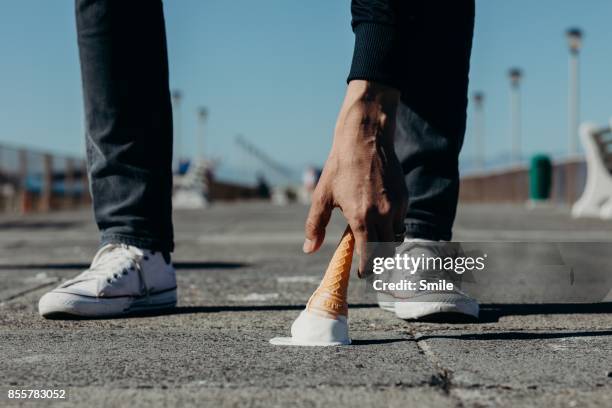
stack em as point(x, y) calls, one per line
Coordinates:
point(540, 177)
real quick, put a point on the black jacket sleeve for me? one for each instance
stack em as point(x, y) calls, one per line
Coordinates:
point(376, 40)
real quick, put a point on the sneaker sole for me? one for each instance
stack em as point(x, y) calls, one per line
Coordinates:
point(431, 306)
point(56, 304)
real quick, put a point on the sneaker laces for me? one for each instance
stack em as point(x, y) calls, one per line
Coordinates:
point(112, 258)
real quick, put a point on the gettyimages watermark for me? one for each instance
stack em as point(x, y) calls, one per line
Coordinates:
point(411, 268)
point(538, 272)
point(425, 267)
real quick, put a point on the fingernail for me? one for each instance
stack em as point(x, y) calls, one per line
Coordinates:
point(308, 245)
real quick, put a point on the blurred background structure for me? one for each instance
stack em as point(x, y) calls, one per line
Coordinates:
point(32, 180)
point(479, 130)
point(282, 98)
point(515, 75)
point(574, 38)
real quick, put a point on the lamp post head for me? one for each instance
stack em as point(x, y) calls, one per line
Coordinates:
point(515, 75)
point(574, 39)
point(478, 98)
point(176, 96)
point(202, 113)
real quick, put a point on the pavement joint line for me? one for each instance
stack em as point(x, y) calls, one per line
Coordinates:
point(426, 331)
point(444, 378)
point(221, 386)
point(378, 386)
point(28, 291)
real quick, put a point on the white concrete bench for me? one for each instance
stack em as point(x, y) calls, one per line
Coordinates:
point(596, 200)
point(191, 189)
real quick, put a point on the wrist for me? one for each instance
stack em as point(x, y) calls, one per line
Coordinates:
point(368, 112)
point(373, 92)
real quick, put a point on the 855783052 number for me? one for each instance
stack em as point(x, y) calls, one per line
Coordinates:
point(36, 394)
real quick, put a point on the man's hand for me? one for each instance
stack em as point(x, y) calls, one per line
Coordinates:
point(362, 175)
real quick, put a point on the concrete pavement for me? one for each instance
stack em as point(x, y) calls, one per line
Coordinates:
point(243, 279)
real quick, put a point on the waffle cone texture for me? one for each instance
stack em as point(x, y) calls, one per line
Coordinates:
point(330, 298)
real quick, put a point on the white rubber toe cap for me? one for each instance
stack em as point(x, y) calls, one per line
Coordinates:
point(67, 303)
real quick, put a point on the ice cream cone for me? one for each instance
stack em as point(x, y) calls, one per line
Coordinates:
point(330, 298)
point(324, 321)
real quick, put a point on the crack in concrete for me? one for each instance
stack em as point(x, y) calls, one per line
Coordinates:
point(443, 379)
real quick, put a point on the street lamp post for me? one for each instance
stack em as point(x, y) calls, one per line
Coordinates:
point(479, 142)
point(574, 39)
point(515, 75)
point(202, 116)
point(177, 97)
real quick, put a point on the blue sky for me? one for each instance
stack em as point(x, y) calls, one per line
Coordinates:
point(275, 71)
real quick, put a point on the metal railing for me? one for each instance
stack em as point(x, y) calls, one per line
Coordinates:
point(32, 181)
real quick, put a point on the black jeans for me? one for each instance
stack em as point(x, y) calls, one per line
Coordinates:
point(122, 48)
point(432, 113)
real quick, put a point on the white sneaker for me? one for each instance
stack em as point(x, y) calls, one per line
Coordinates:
point(427, 304)
point(120, 280)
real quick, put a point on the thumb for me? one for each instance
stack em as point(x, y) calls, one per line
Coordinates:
point(318, 218)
